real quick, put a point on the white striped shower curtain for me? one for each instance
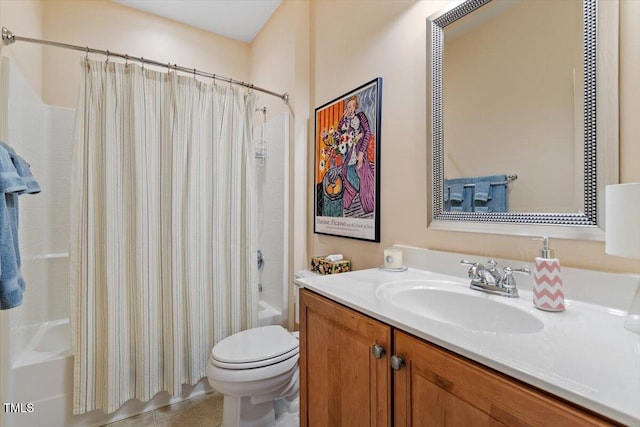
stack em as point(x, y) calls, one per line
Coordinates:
point(163, 244)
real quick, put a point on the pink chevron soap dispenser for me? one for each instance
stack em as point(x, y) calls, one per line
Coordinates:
point(547, 280)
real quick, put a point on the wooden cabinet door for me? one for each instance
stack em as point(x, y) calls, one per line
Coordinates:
point(341, 382)
point(438, 388)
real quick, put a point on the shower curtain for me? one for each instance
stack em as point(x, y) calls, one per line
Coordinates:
point(163, 244)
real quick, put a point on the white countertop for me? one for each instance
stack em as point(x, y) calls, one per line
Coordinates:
point(582, 354)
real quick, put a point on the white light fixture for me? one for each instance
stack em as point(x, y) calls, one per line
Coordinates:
point(622, 231)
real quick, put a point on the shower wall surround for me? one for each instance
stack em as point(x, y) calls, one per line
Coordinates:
point(273, 212)
point(41, 134)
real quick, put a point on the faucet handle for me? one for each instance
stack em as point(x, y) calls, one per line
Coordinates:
point(509, 282)
point(523, 270)
point(475, 272)
point(492, 263)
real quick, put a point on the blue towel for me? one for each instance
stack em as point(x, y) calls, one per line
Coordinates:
point(23, 170)
point(482, 191)
point(11, 283)
point(32, 187)
point(15, 179)
point(456, 192)
point(447, 205)
point(488, 197)
point(481, 195)
point(459, 198)
point(10, 181)
point(499, 199)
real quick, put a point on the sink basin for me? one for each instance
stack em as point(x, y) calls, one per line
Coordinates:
point(474, 310)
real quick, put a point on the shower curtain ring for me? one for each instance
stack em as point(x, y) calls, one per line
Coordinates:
point(86, 55)
point(107, 61)
point(142, 60)
point(194, 73)
point(126, 59)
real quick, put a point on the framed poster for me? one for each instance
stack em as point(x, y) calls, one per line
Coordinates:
point(347, 164)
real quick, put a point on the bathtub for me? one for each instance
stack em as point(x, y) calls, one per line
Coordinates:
point(51, 340)
point(267, 315)
point(42, 376)
point(42, 380)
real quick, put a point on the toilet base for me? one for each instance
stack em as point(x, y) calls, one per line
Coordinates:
point(240, 411)
point(288, 420)
point(288, 412)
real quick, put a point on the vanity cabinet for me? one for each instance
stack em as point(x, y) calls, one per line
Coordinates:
point(343, 383)
point(436, 388)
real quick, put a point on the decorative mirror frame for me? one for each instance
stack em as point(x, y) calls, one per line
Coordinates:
point(600, 20)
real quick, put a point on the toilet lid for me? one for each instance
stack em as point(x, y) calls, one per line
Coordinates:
point(255, 345)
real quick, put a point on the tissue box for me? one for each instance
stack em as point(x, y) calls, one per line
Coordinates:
point(322, 266)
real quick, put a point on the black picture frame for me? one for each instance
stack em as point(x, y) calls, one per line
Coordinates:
point(347, 164)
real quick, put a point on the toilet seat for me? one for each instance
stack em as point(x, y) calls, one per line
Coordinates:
point(257, 372)
point(255, 348)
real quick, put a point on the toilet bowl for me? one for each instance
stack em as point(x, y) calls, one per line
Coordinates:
point(257, 372)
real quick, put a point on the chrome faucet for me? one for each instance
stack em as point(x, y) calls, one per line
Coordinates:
point(491, 274)
point(488, 279)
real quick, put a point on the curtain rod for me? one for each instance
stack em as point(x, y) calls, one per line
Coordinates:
point(8, 38)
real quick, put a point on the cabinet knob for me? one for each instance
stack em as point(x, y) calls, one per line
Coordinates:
point(378, 351)
point(397, 362)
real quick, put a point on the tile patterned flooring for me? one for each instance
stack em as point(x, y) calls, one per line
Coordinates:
point(201, 411)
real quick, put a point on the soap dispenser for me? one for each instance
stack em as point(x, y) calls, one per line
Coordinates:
point(547, 288)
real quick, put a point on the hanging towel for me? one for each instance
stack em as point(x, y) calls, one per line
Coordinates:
point(482, 191)
point(459, 197)
point(456, 197)
point(447, 204)
point(32, 187)
point(489, 196)
point(11, 283)
point(456, 192)
point(24, 172)
point(499, 199)
point(10, 181)
point(481, 195)
point(15, 179)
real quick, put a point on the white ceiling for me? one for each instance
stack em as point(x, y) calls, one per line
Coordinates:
point(238, 19)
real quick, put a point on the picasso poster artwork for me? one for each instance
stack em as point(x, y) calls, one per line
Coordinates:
point(347, 158)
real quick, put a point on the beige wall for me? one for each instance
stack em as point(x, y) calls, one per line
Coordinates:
point(280, 61)
point(629, 91)
point(24, 18)
point(388, 39)
point(103, 24)
point(272, 58)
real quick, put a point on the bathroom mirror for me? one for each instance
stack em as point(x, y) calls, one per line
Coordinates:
point(523, 92)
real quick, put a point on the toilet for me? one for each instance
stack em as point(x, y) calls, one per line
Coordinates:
point(257, 372)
